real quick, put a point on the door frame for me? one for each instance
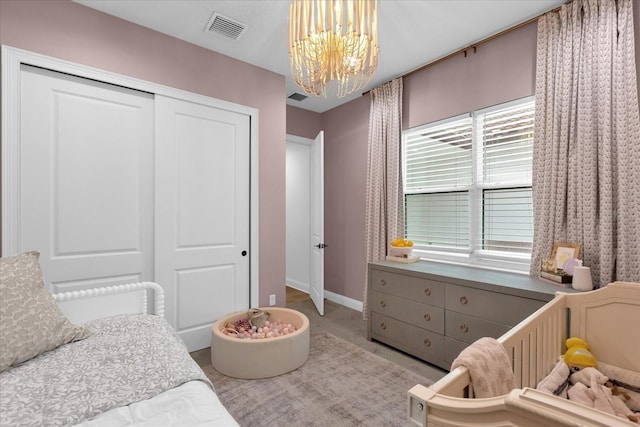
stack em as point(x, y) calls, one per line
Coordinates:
point(13, 58)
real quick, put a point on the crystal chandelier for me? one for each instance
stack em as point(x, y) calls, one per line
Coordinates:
point(333, 40)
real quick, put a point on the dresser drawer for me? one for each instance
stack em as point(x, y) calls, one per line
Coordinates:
point(410, 287)
point(411, 339)
point(418, 314)
point(469, 329)
point(500, 308)
point(452, 349)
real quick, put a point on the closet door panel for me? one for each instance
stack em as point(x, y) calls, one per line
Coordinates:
point(86, 179)
point(202, 215)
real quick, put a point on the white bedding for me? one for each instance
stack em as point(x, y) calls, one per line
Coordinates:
point(193, 404)
point(126, 370)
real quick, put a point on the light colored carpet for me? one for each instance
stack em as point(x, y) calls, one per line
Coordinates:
point(341, 384)
point(347, 324)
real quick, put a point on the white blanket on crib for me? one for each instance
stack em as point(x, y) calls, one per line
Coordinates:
point(621, 395)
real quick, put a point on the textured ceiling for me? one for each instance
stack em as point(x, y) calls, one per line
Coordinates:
point(412, 33)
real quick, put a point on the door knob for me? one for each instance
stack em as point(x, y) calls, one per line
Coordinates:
point(244, 253)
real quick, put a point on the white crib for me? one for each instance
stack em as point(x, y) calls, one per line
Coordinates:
point(607, 318)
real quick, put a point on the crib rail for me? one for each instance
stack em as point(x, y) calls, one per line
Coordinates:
point(534, 346)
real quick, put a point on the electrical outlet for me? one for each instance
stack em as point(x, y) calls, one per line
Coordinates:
point(272, 299)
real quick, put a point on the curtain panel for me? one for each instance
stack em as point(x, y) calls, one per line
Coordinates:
point(586, 160)
point(384, 219)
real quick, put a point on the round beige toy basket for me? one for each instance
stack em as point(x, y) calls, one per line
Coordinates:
point(260, 358)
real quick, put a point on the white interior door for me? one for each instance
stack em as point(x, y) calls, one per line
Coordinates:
point(85, 180)
point(202, 215)
point(316, 285)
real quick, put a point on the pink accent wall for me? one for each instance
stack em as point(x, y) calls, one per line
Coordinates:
point(346, 141)
point(70, 31)
point(499, 71)
point(303, 123)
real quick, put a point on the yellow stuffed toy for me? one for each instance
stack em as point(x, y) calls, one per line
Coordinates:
point(578, 355)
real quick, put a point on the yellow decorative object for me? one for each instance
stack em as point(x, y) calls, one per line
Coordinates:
point(576, 342)
point(578, 355)
point(402, 243)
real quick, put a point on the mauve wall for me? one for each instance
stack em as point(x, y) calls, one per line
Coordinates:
point(501, 70)
point(67, 30)
point(346, 131)
point(303, 123)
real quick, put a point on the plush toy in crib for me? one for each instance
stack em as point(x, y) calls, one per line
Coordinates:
point(576, 378)
point(578, 355)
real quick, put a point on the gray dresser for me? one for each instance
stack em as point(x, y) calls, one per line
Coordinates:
point(433, 311)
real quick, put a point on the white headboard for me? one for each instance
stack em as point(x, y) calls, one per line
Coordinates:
point(95, 303)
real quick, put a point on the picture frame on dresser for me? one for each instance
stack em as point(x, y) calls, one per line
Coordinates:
point(562, 251)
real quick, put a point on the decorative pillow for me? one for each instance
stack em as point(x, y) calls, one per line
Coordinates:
point(30, 320)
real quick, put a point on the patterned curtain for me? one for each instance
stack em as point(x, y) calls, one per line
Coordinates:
point(385, 205)
point(586, 157)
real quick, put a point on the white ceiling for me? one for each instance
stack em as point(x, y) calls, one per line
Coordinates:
point(412, 33)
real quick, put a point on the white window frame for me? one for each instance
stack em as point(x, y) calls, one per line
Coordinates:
point(475, 256)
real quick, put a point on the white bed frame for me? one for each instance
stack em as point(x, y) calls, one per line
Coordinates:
point(89, 304)
point(607, 318)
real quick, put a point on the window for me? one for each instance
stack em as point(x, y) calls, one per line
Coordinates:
point(467, 187)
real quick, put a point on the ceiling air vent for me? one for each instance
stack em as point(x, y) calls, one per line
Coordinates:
point(297, 96)
point(225, 27)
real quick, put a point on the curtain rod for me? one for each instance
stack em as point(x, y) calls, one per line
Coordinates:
point(475, 45)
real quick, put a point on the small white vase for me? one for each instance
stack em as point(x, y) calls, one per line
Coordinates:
point(582, 279)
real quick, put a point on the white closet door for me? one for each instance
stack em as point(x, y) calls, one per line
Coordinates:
point(85, 179)
point(202, 215)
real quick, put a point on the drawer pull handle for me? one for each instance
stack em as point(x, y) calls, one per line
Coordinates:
point(464, 328)
point(427, 317)
point(383, 326)
point(463, 300)
point(427, 343)
point(383, 282)
point(427, 291)
point(382, 303)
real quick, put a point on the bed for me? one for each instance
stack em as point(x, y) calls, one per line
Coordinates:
point(607, 318)
point(95, 357)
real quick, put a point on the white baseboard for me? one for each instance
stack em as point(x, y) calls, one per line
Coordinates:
point(295, 284)
point(342, 300)
point(331, 296)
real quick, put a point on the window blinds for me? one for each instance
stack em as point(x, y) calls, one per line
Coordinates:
point(439, 173)
point(472, 170)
